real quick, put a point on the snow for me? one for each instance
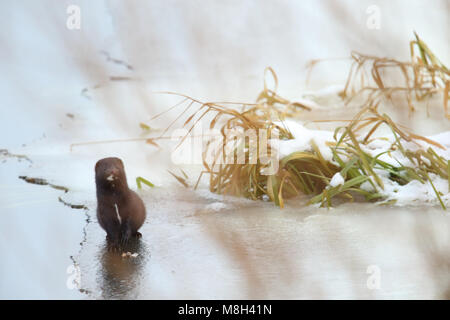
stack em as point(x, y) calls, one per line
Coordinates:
point(303, 138)
point(416, 193)
point(337, 180)
point(216, 206)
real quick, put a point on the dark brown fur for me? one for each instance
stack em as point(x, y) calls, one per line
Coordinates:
point(114, 200)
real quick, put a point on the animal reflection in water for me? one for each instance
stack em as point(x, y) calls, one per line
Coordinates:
point(119, 274)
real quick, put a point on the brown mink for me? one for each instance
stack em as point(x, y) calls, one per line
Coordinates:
point(120, 211)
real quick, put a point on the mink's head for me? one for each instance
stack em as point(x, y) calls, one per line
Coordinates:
point(110, 174)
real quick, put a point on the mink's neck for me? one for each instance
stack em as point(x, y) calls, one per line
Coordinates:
point(118, 191)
